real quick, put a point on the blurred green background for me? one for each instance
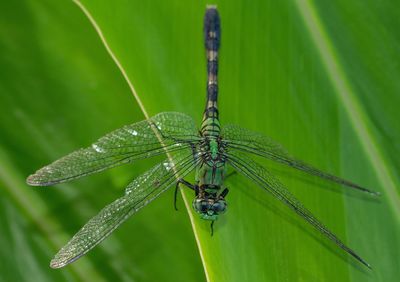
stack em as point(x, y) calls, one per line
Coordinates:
point(320, 77)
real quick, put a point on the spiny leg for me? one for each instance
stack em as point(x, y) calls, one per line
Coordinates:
point(212, 227)
point(187, 184)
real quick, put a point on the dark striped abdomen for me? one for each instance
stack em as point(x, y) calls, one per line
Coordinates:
point(212, 37)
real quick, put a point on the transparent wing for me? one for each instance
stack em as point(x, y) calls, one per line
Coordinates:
point(252, 142)
point(138, 194)
point(266, 180)
point(129, 143)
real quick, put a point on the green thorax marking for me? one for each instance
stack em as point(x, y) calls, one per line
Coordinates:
point(214, 149)
point(212, 170)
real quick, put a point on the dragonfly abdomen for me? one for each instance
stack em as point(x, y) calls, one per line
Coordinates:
point(212, 37)
point(210, 125)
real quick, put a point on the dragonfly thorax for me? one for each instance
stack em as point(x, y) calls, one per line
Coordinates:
point(209, 201)
point(212, 150)
point(210, 174)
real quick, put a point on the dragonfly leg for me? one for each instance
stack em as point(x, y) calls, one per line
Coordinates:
point(187, 184)
point(212, 227)
point(224, 193)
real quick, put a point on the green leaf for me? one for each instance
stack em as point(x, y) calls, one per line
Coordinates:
point(61, 91)
point(319, 77)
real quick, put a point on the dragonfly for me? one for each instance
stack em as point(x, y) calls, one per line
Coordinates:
point(208, 150)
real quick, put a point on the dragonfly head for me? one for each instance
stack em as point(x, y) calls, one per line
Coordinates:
point(209, 208)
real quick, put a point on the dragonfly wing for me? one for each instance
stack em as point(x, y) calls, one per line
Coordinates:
point(266, 180)
point(252, 142)
point(138, 194)
point(166, 131)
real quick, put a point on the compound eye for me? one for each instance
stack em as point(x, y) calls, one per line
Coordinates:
point(204, 206)
point(220, 206)
point(201, 205)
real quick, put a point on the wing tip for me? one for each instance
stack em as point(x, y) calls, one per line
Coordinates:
point(55, 263)
point(61, 259)
point(376, 193)
point(368, 191)
point(357, 257)
point(34, 180)
point(366, 264)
